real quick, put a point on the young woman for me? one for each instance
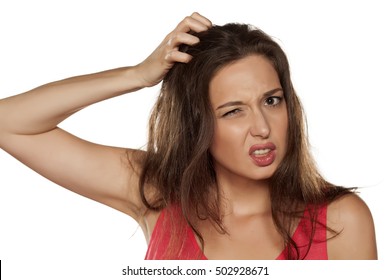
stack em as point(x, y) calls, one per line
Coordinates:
point(227, 173)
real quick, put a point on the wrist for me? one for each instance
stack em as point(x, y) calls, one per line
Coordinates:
point(135, 73)
point(133, 78)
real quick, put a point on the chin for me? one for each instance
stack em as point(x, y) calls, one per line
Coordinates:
point(264, 173)
point(260, 177)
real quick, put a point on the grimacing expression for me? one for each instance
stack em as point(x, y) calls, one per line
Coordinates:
point(251, 121)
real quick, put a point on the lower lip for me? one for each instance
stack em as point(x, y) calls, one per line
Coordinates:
point(264, 160)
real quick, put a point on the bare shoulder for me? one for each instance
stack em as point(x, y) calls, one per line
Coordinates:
point(348, 208)
point(351, 218)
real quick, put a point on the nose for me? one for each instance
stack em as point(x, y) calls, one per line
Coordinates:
point(259, 125)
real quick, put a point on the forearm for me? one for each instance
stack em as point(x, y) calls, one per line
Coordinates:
point(43, 108)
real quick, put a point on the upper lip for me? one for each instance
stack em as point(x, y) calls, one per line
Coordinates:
point(268, 145)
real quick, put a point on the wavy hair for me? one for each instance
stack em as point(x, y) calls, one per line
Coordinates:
point(178, 164)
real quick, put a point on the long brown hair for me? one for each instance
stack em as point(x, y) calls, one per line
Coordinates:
point(178, 164)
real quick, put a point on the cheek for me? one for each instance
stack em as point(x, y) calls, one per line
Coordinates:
point(226, 138)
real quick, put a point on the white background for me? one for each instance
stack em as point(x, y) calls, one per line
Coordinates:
point(339, 56)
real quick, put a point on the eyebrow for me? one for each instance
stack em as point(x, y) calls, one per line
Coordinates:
point(235, 103)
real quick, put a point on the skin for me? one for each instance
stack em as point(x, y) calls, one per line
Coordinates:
point(351, 216)
point(259, 117)
point(249, 108)
point(103, 174)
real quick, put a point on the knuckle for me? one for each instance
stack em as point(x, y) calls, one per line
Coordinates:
point(169, 42)
point(167, 56)
point(176, 39)
point(187, 20)
point(171, 39)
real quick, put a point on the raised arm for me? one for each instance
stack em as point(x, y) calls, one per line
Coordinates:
point(29, 125)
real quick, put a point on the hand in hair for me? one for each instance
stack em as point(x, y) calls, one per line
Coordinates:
point(153, 69)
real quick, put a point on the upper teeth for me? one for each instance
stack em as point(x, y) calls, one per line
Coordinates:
point(261, 152)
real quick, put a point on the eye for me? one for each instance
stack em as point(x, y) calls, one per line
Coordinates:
point(273, 100)
point(232, 112)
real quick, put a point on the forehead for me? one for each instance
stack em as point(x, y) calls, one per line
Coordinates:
point(247, 76)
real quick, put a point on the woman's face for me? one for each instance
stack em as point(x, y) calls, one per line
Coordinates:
point(250, 134)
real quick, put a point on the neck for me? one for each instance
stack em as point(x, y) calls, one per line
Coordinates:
point(242, 196)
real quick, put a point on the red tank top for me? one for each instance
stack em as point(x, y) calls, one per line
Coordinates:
point(190, 249)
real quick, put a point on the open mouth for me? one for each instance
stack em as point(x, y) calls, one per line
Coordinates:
point(263, 154)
